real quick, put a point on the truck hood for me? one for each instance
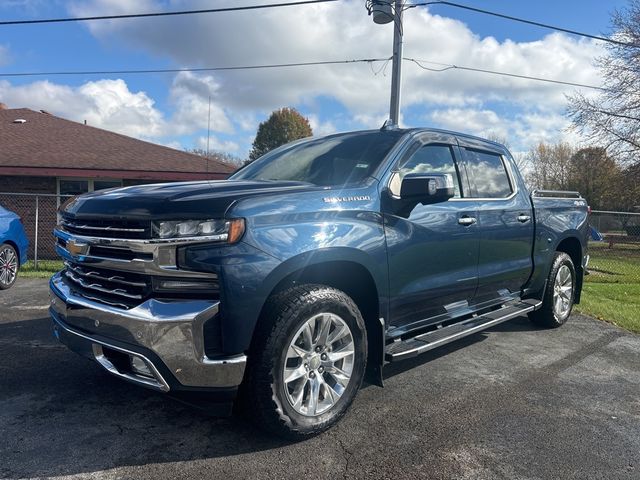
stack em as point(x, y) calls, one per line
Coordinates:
point(175, 201)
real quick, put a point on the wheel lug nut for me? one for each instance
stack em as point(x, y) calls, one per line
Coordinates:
point(323, 356)
point(312, 375)
point(318, 348)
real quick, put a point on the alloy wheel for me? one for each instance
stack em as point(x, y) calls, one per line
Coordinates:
point(8, 266)
point(319, 364)
point(562, 292)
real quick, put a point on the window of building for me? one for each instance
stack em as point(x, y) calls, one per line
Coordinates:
point(75, 186)
point(487, 171)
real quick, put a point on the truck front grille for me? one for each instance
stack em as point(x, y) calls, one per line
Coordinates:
point(111, 228)
point(115, 288)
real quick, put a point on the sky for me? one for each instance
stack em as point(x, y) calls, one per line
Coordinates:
point(173, 108)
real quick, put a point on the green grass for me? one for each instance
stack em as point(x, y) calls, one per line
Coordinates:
point(46, 268)
point(612, 290)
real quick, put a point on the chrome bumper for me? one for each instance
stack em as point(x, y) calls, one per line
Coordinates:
point(171, 331)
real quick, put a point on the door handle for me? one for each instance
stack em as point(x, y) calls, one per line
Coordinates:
point(523, 218)
point(466, 221)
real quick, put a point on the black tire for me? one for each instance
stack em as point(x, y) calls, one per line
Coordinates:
point(548, 315)
point(265, 391)
point(9, 266)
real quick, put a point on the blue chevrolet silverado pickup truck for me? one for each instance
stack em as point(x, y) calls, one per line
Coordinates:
point(309, 269)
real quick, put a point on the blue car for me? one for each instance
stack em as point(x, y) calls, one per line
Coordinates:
point(13, 247)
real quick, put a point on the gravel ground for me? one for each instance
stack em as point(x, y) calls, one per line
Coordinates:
point(513, 402)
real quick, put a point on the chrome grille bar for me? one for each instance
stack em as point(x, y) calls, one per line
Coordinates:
point(96, 275)
point(108, 229)
point(99, 288)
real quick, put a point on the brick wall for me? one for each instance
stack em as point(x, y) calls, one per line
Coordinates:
point(12, 183)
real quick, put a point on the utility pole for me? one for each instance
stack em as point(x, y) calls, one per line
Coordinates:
point(396, 74)
point(384, 13)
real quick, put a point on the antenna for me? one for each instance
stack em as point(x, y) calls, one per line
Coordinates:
point(208, 133)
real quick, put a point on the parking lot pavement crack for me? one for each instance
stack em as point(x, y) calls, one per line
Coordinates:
point(347, 458)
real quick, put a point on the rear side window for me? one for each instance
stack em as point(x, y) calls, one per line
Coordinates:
point(487, 171)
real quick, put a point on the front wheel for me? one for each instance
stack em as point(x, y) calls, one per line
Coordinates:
point(9, 265)
point(307, 361)
point(559, 293)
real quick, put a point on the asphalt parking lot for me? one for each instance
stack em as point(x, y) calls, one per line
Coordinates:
point(515, 402)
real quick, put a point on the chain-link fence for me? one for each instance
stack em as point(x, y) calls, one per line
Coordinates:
point(38, 215)
point(615, 247)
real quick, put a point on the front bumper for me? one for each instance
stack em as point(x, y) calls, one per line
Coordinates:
point(165, 336)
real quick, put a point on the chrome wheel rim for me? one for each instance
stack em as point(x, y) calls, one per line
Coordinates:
point(8, 266)
point(319, 364)
point(562, 292)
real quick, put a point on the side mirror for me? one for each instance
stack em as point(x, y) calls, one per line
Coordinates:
point(427, 188)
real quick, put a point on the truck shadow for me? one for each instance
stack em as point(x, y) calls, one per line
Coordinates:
point(61, 415)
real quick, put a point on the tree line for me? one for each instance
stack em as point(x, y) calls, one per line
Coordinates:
point(607, 184)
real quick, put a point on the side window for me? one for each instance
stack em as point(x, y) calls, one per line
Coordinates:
point(427, 159)
point(487, 171)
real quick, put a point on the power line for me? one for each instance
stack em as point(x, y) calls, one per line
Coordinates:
point(162, 14)
point(196, 69)
point(370, 61)
point(448, 66)
point(521, 20)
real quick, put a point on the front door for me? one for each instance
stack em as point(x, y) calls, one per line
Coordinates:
point(432, 249)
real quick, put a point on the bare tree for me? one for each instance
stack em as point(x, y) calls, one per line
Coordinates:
point(550, 166)
point(612, 118)
point(223, 157)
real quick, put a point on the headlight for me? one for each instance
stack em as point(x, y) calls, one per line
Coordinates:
point(229, 231)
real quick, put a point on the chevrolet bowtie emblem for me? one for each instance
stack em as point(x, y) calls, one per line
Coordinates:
point(77, 248)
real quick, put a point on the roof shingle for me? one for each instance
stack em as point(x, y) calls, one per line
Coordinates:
point(47, 141)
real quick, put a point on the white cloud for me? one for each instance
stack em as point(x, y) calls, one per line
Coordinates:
point(520, 130)
point(483, 123)
point(109, 104)
point(319, 127)
point(105, 104)
point(343, 31)
point(217, 145)
point(196, 98)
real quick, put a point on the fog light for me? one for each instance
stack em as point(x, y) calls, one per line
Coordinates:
point(140, 367)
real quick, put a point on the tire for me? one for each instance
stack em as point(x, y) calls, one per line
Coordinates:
point(559, 293)
point(298, 385)
point(9, 266)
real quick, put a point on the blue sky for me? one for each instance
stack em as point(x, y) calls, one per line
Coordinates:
point(172, 109)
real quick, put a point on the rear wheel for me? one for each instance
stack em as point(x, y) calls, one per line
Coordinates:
point(559, 293)
point(9, 266)
point(307, 362)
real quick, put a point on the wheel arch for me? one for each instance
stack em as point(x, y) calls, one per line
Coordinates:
point(357, 281)
point(573, 247)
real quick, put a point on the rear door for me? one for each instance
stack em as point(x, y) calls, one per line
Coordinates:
point(505, 222)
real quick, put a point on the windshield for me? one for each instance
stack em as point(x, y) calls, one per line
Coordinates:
point(329, 161)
